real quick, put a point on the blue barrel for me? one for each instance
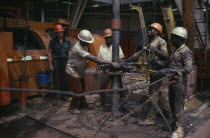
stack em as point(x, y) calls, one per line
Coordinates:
point(43, 77)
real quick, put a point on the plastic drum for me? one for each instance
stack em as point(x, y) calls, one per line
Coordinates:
point(44, 78)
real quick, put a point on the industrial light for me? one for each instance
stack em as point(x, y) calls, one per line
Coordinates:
point(96, 5)
point(67, 2)
point(174, 10)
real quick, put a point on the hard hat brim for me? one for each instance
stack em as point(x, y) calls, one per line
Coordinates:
point(58, 31)
point(107, 35)
point(61, 30)
point(149, 26)
point(179, 36)
point(91, 41)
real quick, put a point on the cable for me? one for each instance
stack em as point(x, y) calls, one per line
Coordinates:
point(154, 7)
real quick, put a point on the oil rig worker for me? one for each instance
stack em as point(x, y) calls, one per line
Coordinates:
point(105, 53)
point(181, 62)
point(159, 52)
point(76, 66)
point(158, 48)
point(58, 56)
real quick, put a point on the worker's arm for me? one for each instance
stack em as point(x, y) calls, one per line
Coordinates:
point(101, 61)
point(70, 46)
point(133, 58)
point(162, 51)
point(50, 58)
point(187, 59)
point(162, 64)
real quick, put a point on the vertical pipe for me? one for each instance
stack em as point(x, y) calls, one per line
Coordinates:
point(206, 32)
point(23, 84)
point(43, 15)
point(115, 53)
point(68, 9)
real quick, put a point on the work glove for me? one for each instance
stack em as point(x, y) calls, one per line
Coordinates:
point(115, 65)
point(168, 71)
point(163, 72)
point(152, 49)
point(153, 62)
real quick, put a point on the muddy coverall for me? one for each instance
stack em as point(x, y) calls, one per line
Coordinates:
point(181, 61)
point(159, 52)
point(160, 93)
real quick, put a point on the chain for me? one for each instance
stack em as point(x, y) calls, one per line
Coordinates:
point(164, 118)
point(125, 118)
point(139, 107)
point(102, 121)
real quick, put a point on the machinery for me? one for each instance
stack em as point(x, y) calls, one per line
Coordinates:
point(143, 64)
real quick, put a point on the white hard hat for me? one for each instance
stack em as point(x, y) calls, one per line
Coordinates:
point(85, 36)
point(180, 31)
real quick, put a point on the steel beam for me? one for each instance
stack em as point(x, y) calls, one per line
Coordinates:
point(124, 1)
point(75, 12)
point(80, 13)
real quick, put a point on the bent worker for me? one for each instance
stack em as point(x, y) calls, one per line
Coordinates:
point(181, 62)
point(105, 53)
point(77, 64)
point(58, 56)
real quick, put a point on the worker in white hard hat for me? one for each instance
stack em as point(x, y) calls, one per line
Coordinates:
point(77, 64)
point(181, 62)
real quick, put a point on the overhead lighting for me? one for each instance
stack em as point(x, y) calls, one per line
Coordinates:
point(67, 2)
point(96, 5)
point(174, 10)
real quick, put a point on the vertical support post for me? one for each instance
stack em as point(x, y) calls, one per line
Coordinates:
point(43, 15)
point(116, 25)
point(23, 84)
point(206, 32)
point(188, 21)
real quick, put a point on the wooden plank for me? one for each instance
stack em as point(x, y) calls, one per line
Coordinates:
point(200, 110)
point(5, 42)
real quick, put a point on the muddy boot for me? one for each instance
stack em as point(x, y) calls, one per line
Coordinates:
point(151, 117)
point(73, 106)
point(74, 102)
point(124, 106)
point(149, 122)
point(100, 103)
point(83, 103)
point(102, 99)
point(56, 99)
point(179, 133)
